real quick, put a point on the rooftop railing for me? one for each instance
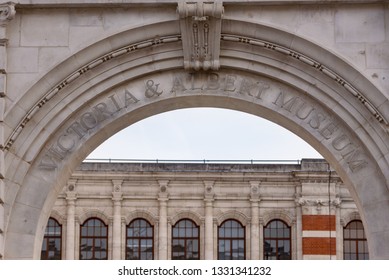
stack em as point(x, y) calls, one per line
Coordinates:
point(191, 161)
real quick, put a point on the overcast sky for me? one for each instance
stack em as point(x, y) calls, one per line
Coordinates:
point(205, 133)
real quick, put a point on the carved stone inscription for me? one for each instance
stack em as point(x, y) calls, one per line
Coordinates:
point(259, 91)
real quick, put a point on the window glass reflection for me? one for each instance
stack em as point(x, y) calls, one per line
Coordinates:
point(355, 242)
point(185, 240)
point(52, 241)
point(93, 240)
point(140, 240)
point(277, 241)
point(231, 241)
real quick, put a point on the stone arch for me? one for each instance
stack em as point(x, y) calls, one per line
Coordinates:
point(285, 216)
point(61, 219)
point(94, 213)
point(233, 215)
point(185, 214)
point(141, 214)
point(349, 217)
point(138, 73)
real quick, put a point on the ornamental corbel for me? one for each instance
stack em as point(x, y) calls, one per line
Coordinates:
point(209, 191)
point(336, 202)
point(255, 191)
point(200, 24)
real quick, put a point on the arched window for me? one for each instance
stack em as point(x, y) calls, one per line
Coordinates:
point(355, 242)
point(277, 241)
point(231, 241)
point(185, 240)
point(51, 246)
point(94, 240)
point(139, 240)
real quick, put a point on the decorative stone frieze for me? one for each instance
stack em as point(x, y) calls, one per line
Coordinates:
point(200, 24)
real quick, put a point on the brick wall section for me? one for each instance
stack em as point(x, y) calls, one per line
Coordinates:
point(319, 222)
point(319, 246)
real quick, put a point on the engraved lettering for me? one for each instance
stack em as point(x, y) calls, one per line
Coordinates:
point(341, 142)
point(260, 90)
point(50, 158)
point(304, 111)
point(213, 81)
point(152, 89)
point(316, 120)
point(352, 160)
point(178, 85)
point(262, 87)
point(101, 111)
point(288, 104)
point(129, 98)
point(65, 144)
point(229, 84)
point(328, 130)
point(77, 128)
point(88, 120)
point(193, 82)
point(114, 101)
point(246, 86)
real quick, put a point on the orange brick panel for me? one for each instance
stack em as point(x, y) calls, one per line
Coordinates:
point(319, 246)
point(319, 222)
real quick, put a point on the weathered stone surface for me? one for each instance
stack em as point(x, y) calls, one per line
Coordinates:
point(79, 71)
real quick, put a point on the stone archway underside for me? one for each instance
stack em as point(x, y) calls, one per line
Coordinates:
point(263, 71)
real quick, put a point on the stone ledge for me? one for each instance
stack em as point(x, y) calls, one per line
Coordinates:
point(120, 3)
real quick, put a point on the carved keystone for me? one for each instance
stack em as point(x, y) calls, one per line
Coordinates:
point(200, 24)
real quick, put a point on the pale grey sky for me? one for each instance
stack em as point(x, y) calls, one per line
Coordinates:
point(205, 133)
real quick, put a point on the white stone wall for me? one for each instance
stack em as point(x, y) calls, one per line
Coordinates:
point(285, 192)
point(58, 56)
point(39, 39)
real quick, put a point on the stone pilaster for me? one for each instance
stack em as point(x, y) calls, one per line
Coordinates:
point(208, 203)
point(255, 233)
point(163, 198)
point(299, 214)
point(71, 197)
point(117, 197)
point(7, 13)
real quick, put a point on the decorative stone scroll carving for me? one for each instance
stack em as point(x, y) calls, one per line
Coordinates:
point(200, 24)
point(318, 203)
point(7, 12)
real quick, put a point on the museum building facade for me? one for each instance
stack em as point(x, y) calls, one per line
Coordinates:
point(75, 72)
point(202, 210)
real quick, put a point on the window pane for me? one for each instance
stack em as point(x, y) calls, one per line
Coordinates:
point(93, 243)
point(221, 250)
point(51, 245)
point(354, 240)
point(277, 240)
point(140, 242)
point(231, 243)
point(185, 240)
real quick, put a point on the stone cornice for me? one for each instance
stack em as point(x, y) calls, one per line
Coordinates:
point(127, 3)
